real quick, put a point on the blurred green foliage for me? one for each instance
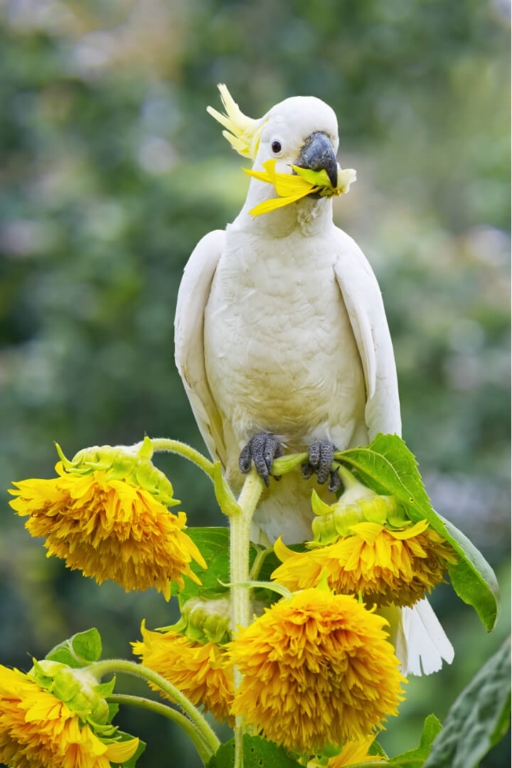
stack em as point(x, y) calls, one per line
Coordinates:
point(111, 172)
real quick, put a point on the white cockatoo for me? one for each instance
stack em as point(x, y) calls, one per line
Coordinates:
point(282, 341)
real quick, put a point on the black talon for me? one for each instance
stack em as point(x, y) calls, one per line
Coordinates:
point(334, 481)
point(263, 448)
point(320, 458)
point(245, 459)
point(307, 471)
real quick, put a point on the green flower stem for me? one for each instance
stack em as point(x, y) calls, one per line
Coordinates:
point(258, 562)
point(162, 709)
point(286, 464)
point(166, 445)
point(240, 528)
point(100, 668)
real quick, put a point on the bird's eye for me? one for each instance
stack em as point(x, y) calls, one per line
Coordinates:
point(276, 147)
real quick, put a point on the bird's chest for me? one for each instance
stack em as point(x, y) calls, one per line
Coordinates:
point(278, 341)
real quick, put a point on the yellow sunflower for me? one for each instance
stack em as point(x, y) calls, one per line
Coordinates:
point(108, 528)
point(386, 566)
point(318, 669)
point(353, 752)
point(202, 671)
point(38, 730)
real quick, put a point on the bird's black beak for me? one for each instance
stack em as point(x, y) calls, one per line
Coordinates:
point(318, 153)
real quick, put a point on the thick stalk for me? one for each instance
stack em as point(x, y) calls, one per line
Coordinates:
point(240, 528)
point(165, 445)
point(176, 717)
point(100, 668)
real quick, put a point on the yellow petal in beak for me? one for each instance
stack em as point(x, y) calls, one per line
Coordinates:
point(291, 187)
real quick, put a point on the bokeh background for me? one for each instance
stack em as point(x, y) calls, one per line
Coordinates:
point(111, 171)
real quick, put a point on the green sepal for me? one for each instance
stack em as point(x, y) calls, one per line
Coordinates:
point(258, 753)
point(358, 503)
point(146, 449)
point(78, 651)
point(388, 467)
point(105, 731)
point(106, 689)
point(479, 717)
point(320, 507)
point(205, 620)
point(113, 709)
point(130, 463)
point(79, 689)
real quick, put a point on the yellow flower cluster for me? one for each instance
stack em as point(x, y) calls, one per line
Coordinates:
point(203, 672)
point(317, 669)
point(386, 566)
point(38, 730)
point(109, 529)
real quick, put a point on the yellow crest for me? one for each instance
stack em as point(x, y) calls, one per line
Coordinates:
point(243, 133)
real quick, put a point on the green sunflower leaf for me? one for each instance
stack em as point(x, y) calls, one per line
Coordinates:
point(213, 543)
point(258, 753)
point(388, 467)
point(479, 717)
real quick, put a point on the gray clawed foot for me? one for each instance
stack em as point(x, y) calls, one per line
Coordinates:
point(321, 456)
point(263, 448)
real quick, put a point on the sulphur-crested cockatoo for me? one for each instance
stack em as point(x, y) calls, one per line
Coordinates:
point(282, 341)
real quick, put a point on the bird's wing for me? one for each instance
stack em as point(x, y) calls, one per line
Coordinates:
point(363, 300)
point(189, 339)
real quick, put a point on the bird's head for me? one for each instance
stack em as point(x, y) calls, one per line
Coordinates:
point(294, 151)
point(301, 131)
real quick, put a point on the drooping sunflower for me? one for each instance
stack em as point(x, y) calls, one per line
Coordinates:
point(202, 671)
point(384, 565)
point(108, 525)
point(38, 730)
point(317, 669)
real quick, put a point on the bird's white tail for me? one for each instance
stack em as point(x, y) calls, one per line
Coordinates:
point(421, 643)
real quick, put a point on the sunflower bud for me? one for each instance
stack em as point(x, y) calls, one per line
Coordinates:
point(207, 620)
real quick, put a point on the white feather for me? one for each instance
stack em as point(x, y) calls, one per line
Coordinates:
point(421, 643)
point(189, 338)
